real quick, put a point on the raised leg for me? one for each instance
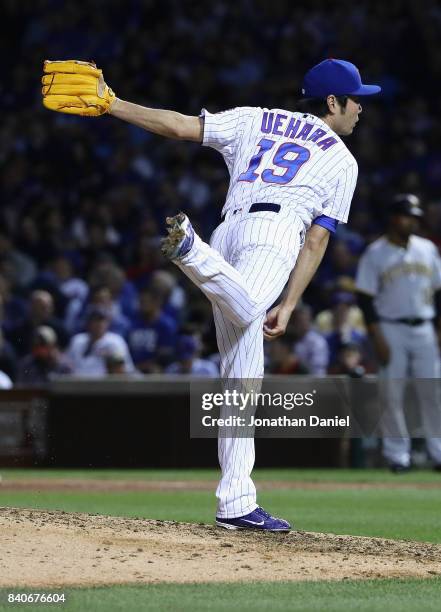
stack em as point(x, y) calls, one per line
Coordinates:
point(242, 272)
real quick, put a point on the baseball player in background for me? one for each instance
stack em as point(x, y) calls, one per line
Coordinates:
point(292, 179)
point(399, 283)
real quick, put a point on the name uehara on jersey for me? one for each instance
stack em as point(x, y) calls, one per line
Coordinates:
point(292, 127)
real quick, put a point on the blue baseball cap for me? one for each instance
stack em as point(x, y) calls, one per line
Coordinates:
point(336, 77)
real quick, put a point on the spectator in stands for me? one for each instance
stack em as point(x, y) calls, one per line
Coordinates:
point(187, 351)
point(109, 224)
point(99, 242)
point(340, 262)
point(283, 360)
point(8, 357)
point(60, 273)
point(41, 312)
point(324, 320)
point(87, 351)
point(45, 360)
point(15, 265)
point(116, 363)
point(5, 381)
point(165, 284)
point(92, 228)
point(153, 336)
point(342, 331)
point(14, 306)
point(309, 345)
point(144, 252)
point(348, 361)
point(101, 297)
point(106, 273)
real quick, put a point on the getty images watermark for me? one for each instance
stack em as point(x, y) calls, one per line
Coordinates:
point(241, 402)
point(305, 407)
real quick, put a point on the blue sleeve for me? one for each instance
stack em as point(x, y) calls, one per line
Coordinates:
point(326, 222)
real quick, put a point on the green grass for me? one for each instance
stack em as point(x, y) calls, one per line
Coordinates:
point(409, 513)
point(361, 596)
point(304, 475)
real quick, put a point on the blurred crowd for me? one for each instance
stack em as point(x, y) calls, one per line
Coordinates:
point(83, 287)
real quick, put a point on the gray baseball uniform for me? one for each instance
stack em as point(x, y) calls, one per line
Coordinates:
point(402, 281)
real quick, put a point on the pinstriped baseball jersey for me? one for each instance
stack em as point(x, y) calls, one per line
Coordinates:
point(290, 159)
point(283, 157)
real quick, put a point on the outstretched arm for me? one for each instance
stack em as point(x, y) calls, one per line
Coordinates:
point(316, 241)
point(162, 122)
point(78, 88)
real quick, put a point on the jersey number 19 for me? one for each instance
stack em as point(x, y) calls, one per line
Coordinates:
point(291, 166)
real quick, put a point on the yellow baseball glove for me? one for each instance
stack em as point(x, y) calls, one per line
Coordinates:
point(75, 87)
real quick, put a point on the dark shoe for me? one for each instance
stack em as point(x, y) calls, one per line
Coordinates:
point(257, 519)
point(398, 468)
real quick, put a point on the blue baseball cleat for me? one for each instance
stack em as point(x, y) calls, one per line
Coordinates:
point(257, 519)
point(180, 237)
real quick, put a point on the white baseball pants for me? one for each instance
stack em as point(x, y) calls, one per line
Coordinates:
point(242, 272)
point(414, 353)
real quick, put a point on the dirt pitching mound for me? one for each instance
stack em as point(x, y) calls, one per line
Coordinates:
point(60, 549)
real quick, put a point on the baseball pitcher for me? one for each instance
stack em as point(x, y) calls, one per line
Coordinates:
point(291, 182)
